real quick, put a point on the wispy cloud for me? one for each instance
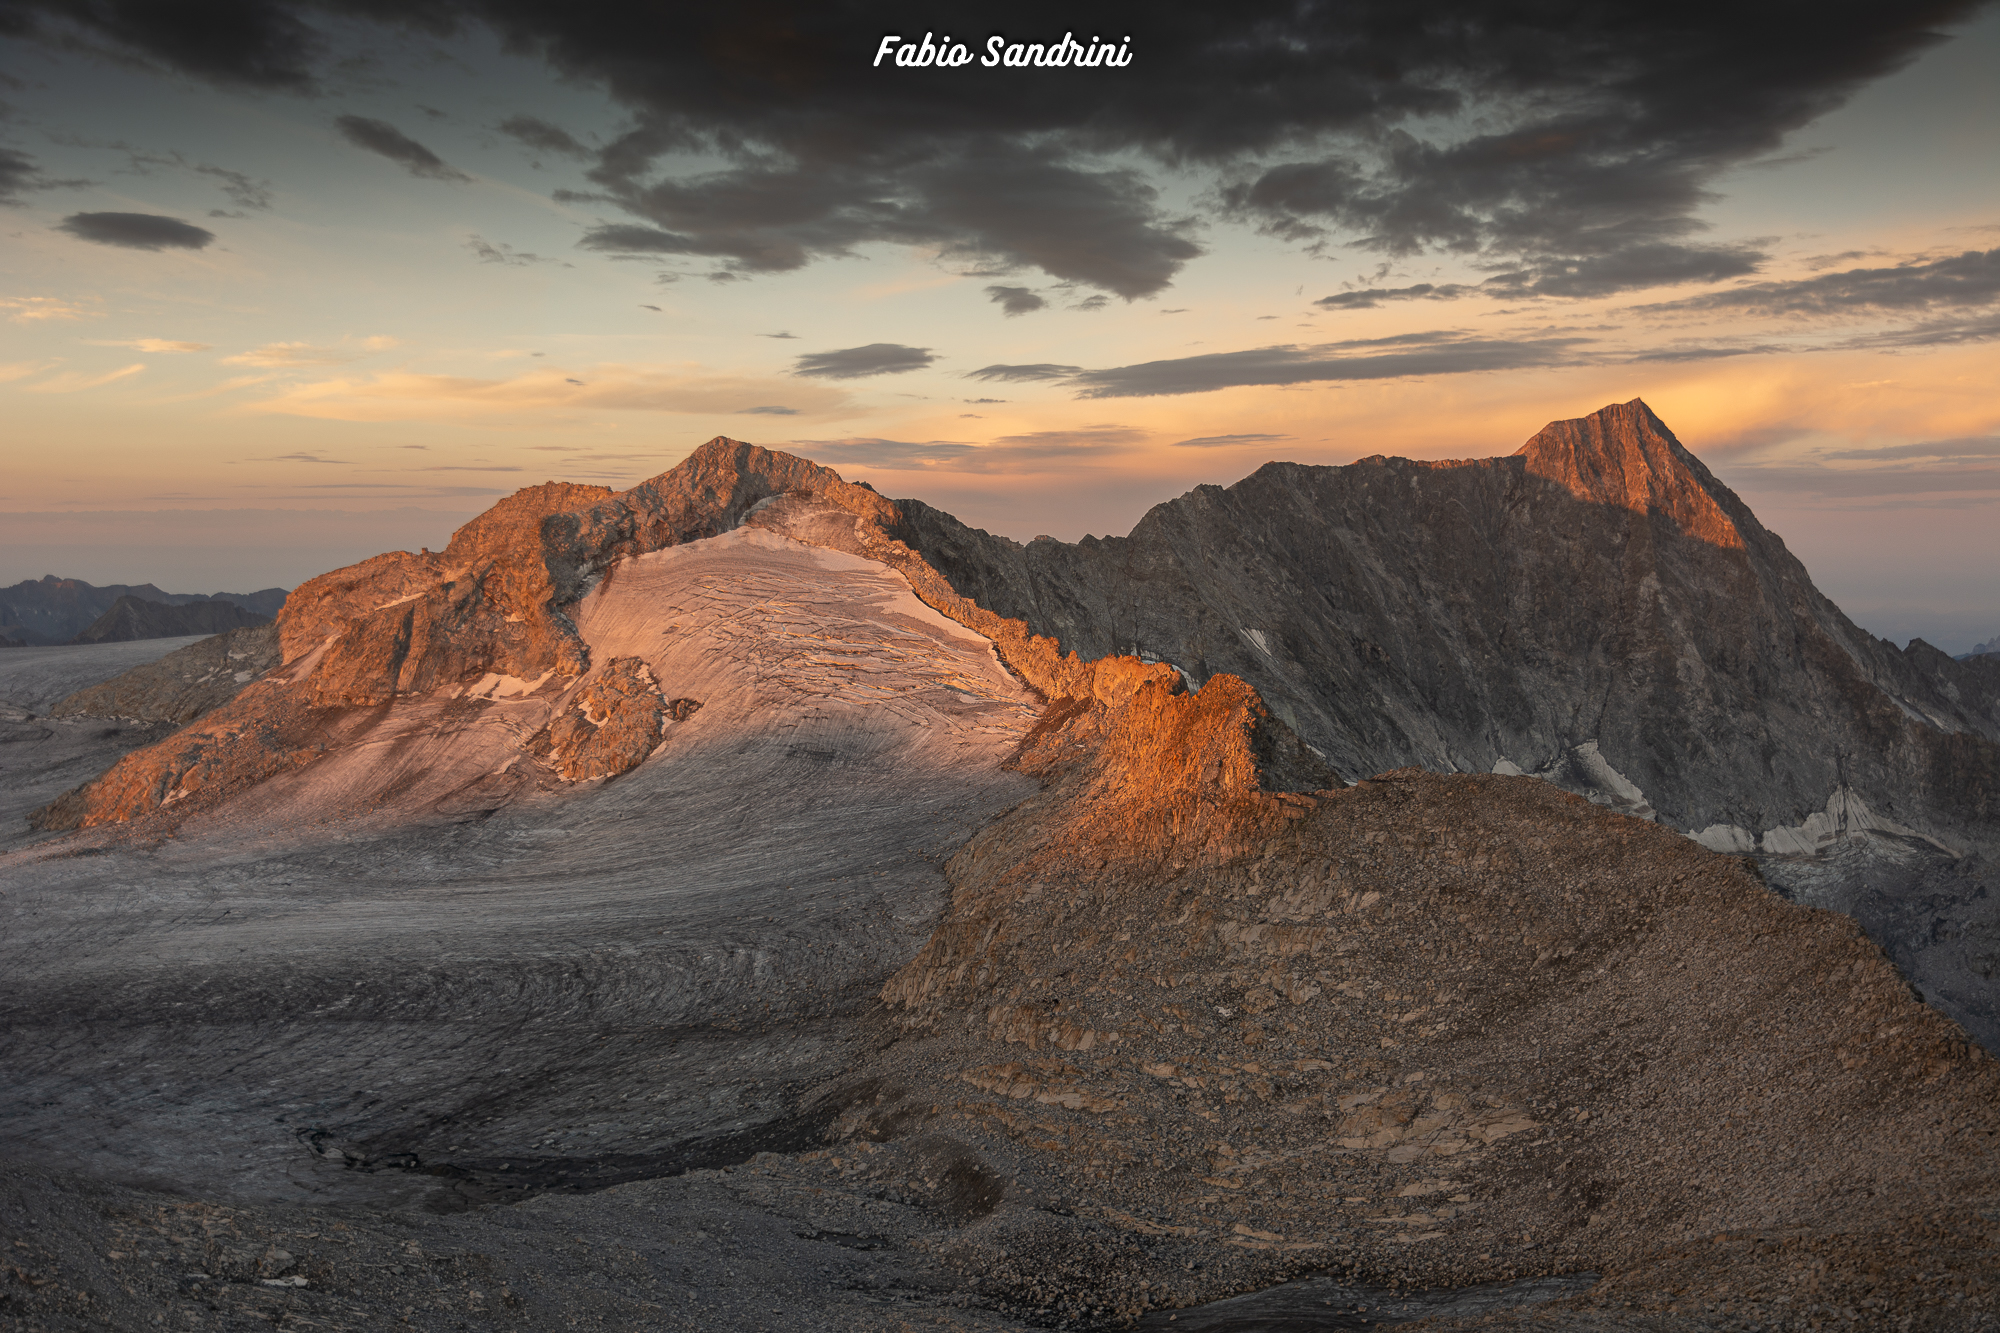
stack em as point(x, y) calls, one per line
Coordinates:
point(1015, 300)
point(149, 344)
point(136, 231)
point(528, 399)
point(384, 139)
point(33, 309)
point(489, 252)
point(1226, 441)
point(1864, 483)
point(1020, 374)
point(1968, 279)
point(849, 363)
point(1434, 353)
point(306, 354)
point(74, 381)
point(1981, 446)
point(542, 136)
point(1368, 298)
point(1032, 452)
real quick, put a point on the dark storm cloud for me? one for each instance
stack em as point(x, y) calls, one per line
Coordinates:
point(136, 231)
point(379, 136)
point(1225, 441)
point(1568, 147)
point(249, 43)
point(1015, 300)
point(1019, 374)
point(542, 135)
point(1969, 279)
point(1364, 359)
point(850, 363)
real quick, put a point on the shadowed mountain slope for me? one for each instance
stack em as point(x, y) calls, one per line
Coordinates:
point(131, 618)
point(1598, 586)
point(1596, 609)
point(52, 610)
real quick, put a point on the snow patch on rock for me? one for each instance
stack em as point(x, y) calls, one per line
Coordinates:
point(1729, 839)
point(1583, 770)
point(492, 686)
point(1846, 816)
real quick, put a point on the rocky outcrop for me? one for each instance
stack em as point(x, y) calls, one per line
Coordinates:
point(131, 618)
point(1429, 1030)
point(611, 724)
point(184, 684)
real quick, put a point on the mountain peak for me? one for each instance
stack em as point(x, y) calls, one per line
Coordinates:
point(1625, 456)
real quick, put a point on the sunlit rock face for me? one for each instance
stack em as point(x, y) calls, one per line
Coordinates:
point(1596, 609)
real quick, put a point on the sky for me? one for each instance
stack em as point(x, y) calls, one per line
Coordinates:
point(283, 285)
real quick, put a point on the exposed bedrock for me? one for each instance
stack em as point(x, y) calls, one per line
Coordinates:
point(1596, 609)
point(1599, 585)
point(1436, 1029)
point(182, 685)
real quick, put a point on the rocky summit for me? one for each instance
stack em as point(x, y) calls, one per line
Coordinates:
point(746, 901)
point(1595, 609)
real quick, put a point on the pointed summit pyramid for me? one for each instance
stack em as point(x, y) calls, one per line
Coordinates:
point(1624, 455)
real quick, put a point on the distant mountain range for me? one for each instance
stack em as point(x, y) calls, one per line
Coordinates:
point(132, 618)
point(1992, 645)
point(52, 610)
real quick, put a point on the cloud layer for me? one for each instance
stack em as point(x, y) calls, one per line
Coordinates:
point(1566, 149)
point(850, 363)
point(136, 231)
point(1440, 353)
point(380, 137)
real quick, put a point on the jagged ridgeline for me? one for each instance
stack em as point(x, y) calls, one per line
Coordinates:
point(1595, 609)
point(1289, 943)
